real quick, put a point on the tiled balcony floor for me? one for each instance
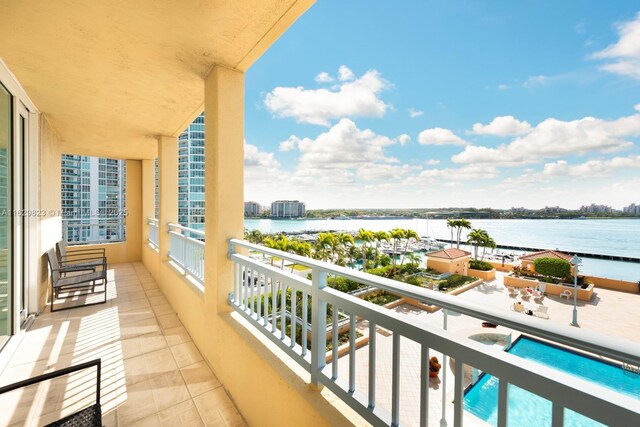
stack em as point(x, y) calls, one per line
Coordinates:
point(152, 373)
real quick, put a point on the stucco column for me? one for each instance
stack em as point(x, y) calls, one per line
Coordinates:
point(148, 196)
point(224, 180)
point(167, 191)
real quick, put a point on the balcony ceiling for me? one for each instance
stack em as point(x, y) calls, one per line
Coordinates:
point(112, 75)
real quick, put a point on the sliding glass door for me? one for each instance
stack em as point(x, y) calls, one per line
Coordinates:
point(6, 291)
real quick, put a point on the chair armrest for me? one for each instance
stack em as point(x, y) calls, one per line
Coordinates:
point(61, 372)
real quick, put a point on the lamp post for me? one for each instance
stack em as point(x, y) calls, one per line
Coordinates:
point(576, 261)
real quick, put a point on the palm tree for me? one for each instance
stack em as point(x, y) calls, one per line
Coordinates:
point(254, 236)
point(451, 224)
point(299, 248)
point(323, 243)
point(489, 243)
point(413, 258)
point(476, 238)
point(270, 243)
point(408, 235)
point(385, 260)
point(462, 224)
point(364, 236)
point(379, 236)
point(397, 234)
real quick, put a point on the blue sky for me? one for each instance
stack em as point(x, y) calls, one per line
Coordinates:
point(448, 103)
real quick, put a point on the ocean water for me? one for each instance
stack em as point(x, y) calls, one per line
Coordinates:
point(528, 409)
point(600, 236)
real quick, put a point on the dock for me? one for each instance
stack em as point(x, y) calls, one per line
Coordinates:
point(621, 258)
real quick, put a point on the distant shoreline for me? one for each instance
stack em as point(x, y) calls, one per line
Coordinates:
point(470, 218)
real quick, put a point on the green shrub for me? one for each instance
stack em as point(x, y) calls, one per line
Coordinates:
point(480, 265)
point(381, 298)
point(553, 267)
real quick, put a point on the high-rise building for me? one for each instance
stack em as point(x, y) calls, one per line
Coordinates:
point(93, 198)
point(191, 175)
point(593, 208)
point(632, 209)
point(287, 209)
point(252, 209)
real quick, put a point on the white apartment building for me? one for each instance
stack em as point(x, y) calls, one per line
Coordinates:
point(287, 209)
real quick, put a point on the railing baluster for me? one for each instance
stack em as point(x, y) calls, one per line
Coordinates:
point(283, 306)
point(274, 305)
point(372, 365)
point(458, 394)
point(352, 353)
point(557, 415)
point(395, 380)
point(424, 385)
point(334, 343)
point(503, 402)
point(251, 300)
point(265, 319)
point(294, 315)
point(235, 281)
point(256, 282)
point(305, 320)
point(246, 289)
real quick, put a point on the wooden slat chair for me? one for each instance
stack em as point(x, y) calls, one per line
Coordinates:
point(79, 259)
point(61, 282)
point(90, 416)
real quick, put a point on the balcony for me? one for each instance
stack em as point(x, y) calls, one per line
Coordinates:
point(189, 334)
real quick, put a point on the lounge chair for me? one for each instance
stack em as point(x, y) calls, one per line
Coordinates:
point(541, 311)
point(89, 416)
point(62, 282)
point(513, 292)
point(566, 294)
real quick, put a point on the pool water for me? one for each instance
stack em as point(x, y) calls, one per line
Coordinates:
point(528, 409)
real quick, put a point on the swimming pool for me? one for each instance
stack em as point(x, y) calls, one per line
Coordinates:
point(528, 409)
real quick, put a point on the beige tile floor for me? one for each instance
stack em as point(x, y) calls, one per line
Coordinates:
point(152, 373)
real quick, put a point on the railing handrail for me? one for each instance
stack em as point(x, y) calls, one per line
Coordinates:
point(593, 342)
point(183, 228)
point(152, 221)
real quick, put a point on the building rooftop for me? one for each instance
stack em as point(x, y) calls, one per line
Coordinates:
point(545, 254)
point(451, 253)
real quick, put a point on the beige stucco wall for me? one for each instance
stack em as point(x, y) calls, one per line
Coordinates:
point(50, 196)
point(456, 266)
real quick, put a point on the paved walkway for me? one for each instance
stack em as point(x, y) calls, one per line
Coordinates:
point(152, 373)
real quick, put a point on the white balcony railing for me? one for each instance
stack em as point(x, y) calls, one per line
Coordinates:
point(187, 250)
point(153, 232)
point(100, 231)
point(286, 321)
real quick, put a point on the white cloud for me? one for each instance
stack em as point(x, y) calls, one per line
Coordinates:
point(502, 126)
point(290, 144)
point(466, 173)
point(625, 53)
point(591, 168)
point(345, 74)
point(503, 86)
point(359, 97)
point(324, 77)
point(403, 139)
point(413, 113)
point(254, 157)
point(439, 136)
point(533, 81)
point(432, 162)
point(554, 138)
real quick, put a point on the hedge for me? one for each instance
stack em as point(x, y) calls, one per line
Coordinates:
point(553, 267)
point(480, 265)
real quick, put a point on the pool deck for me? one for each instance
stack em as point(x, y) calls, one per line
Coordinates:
point(609, 312)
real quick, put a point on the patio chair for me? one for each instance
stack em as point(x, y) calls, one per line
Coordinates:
point(566, 294)
point(513, 292)
point(61, 282)
point(90, 416)
point(541, 312)
point(80, 259)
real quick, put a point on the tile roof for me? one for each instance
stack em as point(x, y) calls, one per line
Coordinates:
point(545, 254)
point(451, 253)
